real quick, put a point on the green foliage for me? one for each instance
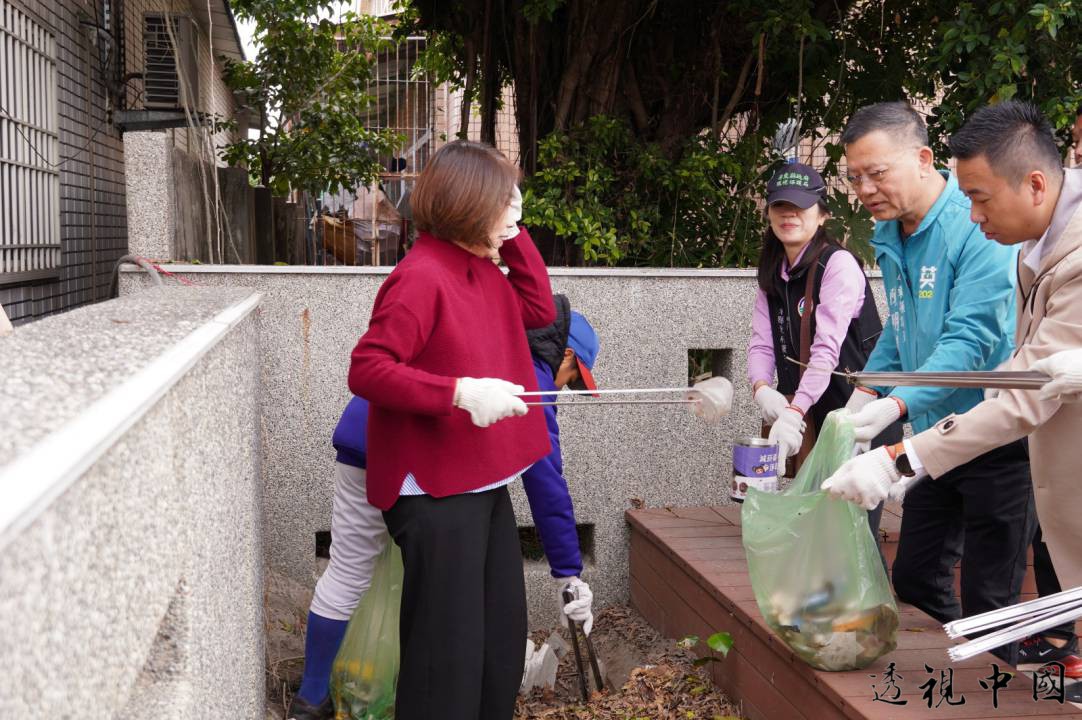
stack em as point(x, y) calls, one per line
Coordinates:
point(719, 642)
point(656, 186)
point(625, 202)
point(988, 52)
point(307, 87)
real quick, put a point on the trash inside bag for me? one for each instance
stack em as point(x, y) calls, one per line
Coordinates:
point(365, 671)
point(814, 565)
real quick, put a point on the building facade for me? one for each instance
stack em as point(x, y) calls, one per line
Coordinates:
point(76, 78)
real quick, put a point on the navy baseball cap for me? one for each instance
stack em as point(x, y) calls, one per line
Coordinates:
point(796, 183)
point(583, 340)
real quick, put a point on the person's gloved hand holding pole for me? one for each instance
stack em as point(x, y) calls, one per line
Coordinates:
point(771, 403)
point(787, 432)
point(581, 608)
point(489, 400)
point(1065, 369)
point(865, 480)
point(861, 397)
point(875, 417)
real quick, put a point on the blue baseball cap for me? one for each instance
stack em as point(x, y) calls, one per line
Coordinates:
point(583, 340)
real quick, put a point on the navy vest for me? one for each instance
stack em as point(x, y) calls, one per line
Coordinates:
point(786, 309)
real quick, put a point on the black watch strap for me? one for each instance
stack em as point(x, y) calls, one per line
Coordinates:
point(902, 465)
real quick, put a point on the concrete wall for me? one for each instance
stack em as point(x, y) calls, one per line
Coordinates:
point(131, 575)
point(171, 196)
point(647, 321)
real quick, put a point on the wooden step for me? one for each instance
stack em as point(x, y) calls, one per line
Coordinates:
point(688, 576)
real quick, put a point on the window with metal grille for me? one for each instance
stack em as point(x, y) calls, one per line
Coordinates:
point(170, 72)
point(29, 150)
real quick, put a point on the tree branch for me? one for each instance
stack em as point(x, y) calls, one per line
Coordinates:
point(738, 91)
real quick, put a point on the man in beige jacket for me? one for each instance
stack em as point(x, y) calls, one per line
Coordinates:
point(1010, 168)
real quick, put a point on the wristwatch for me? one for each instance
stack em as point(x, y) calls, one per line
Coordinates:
point(901, 460)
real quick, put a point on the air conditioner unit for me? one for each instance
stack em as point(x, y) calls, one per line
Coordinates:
point(171, 69)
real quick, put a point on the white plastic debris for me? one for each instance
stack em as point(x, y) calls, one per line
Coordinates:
point(540, 668)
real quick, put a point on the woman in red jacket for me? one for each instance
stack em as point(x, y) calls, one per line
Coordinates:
point(443, 358)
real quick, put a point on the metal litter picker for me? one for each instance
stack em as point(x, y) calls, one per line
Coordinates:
point(1016, 622)
point(573, 629)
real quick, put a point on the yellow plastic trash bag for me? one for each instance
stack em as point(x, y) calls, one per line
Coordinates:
point(365, 671)
point(815, 569)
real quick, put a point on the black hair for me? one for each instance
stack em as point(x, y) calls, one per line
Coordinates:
point(1015, 137)
point(772, 252)
point(890, 117)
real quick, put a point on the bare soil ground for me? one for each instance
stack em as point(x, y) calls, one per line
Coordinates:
point(646, 676)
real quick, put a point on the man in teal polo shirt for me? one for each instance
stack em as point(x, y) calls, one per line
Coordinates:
point(950, 294)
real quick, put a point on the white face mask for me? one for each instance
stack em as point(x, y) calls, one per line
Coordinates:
point(508, 226)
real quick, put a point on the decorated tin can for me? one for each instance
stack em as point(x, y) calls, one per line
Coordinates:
point(755, 464)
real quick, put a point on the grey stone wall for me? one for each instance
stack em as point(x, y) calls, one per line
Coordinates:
point(148, 173)
point(171, 197)
point(137, 592)
point(647, 322)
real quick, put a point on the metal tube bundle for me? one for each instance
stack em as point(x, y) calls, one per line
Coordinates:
point(998, 379)
point(983, 379)
point(1022, 620)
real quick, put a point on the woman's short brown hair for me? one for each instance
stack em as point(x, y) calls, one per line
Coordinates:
point(463, 192)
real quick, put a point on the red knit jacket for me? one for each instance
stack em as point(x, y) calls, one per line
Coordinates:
point(443, 314)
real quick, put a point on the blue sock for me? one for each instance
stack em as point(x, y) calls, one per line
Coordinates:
point(320, 647)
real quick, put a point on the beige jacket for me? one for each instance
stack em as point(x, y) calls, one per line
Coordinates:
point(1049, 320)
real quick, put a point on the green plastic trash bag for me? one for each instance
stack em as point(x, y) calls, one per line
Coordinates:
point(815, 569)
point(365, 671)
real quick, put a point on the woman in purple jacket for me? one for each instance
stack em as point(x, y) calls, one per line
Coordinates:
point(844, 321)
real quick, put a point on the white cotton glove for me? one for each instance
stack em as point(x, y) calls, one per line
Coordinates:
point(581, 608)
point(771, 403)
point(1065, 369)
point(787, 432)
point(874, 418)
point(900, 488)
point(865, 480)
point(510, 219)
point(715, 398)
point(489, 400)
point(857, 400)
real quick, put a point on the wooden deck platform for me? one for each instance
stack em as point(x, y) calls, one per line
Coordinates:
point(689, 577)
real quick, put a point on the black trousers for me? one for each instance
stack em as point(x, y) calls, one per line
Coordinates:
point(1048, 584)
point(463, 622)
point(982, 513)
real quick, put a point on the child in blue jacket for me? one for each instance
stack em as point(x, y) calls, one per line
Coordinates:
point(563, 354)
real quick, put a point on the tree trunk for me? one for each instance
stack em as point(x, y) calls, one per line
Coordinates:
point(490, 81)
point(467, 93)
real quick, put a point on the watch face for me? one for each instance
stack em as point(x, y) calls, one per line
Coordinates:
point(901, 463)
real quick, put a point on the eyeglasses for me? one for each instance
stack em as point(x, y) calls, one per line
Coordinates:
point(876, 177)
